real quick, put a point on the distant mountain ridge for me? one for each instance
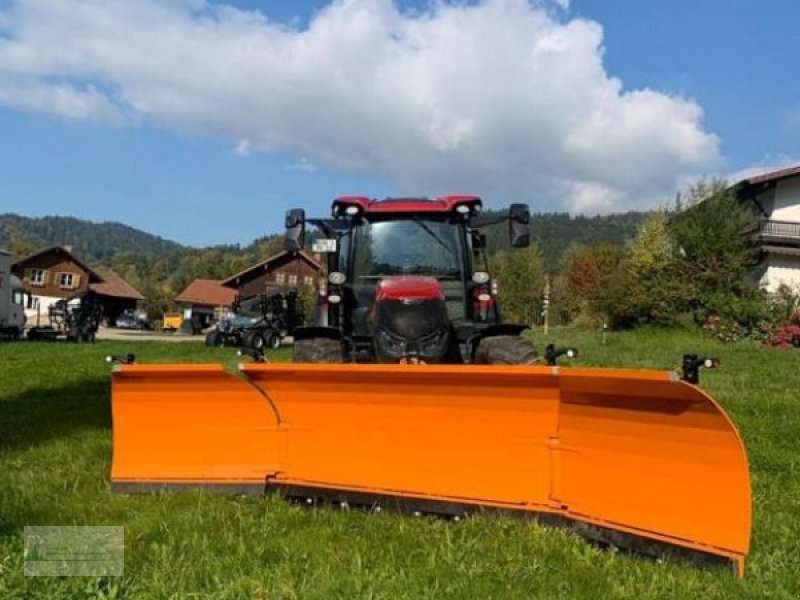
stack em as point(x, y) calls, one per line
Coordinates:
point(92, 242)
point(160, 269)
point(108, 242)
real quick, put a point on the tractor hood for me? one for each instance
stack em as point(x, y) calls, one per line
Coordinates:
point(409, 289)
point(410, 318)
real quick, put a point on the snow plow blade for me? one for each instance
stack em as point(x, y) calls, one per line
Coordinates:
point(635, 458)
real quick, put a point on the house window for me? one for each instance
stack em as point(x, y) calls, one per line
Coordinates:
point(67, 281)
point(280, 277)
point(308, 280)
point(38, 277)
point(292, 279)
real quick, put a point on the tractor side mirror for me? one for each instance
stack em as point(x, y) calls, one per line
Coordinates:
point(295, 236)
point(519, 219)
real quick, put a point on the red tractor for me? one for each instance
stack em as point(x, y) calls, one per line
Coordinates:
point(408, 282)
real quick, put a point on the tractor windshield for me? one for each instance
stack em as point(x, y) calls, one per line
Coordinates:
point(409, 247)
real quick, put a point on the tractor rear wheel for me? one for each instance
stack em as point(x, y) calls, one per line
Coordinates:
point(505, 350)
point(317, 350)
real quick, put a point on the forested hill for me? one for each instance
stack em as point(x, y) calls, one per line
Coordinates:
point(92, 242)
point(110, 242)
point(555, 232)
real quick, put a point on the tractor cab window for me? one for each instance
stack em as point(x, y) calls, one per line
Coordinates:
point(409, 247)
point(414, 246)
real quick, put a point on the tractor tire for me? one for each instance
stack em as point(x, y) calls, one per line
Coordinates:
point(317, 350)
point(254, 340)
point(214, 338)
point(505, 350)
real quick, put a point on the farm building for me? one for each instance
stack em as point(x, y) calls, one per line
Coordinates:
point(205, 299)
point(55, 273)
point(284, 269)
point(774, 198)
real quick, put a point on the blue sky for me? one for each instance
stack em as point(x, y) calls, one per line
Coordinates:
point(209, 130)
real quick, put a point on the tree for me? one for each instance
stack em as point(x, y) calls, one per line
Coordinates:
point(646, 287)
point(520, 277)
point(715, 250)
point(585, 271)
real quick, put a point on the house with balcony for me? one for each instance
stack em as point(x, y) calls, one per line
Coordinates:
point(774, 199)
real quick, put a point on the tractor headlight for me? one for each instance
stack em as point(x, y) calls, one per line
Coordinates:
point(337, 278)
point(480, 277)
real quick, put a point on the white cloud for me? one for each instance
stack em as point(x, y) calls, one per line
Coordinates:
point(71, 102)
point(501, 98)
point(244, 147)
point(304, 165)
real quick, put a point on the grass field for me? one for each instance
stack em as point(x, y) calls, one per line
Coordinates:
point(55, 447)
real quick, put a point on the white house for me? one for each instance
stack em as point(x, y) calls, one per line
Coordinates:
point(774, 198)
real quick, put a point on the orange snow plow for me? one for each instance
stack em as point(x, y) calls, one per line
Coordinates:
point(637, 459)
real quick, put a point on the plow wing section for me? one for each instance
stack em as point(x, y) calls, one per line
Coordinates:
point(189, 425)
point(635, 454)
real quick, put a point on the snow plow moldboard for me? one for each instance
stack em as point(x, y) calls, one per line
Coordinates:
point(638, 459)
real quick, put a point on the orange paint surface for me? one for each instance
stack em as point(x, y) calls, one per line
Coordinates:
point(635, 451)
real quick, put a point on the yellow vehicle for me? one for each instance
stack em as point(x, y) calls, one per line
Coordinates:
point(172, 321)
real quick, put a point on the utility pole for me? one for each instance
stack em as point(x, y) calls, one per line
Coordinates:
point(546, 304)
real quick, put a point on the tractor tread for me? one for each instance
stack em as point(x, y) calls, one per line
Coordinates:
point(505, 350)
point(317, 350)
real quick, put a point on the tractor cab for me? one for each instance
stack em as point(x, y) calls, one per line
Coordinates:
point(383, 254)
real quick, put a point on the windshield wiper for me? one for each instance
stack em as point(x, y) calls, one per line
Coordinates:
point(434, 235)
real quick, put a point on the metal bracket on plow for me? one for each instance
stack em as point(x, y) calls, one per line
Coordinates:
point(692, 364)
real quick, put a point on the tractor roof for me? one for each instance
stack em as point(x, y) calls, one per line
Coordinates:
point(444, 204)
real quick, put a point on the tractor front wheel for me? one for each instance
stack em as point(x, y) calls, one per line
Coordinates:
point(505, 350)
point(317, 350)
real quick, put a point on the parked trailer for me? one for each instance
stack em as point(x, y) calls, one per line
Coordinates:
point(259, 322)
point(75, 319)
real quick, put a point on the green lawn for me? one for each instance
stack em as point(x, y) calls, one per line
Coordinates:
point(55, 446)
